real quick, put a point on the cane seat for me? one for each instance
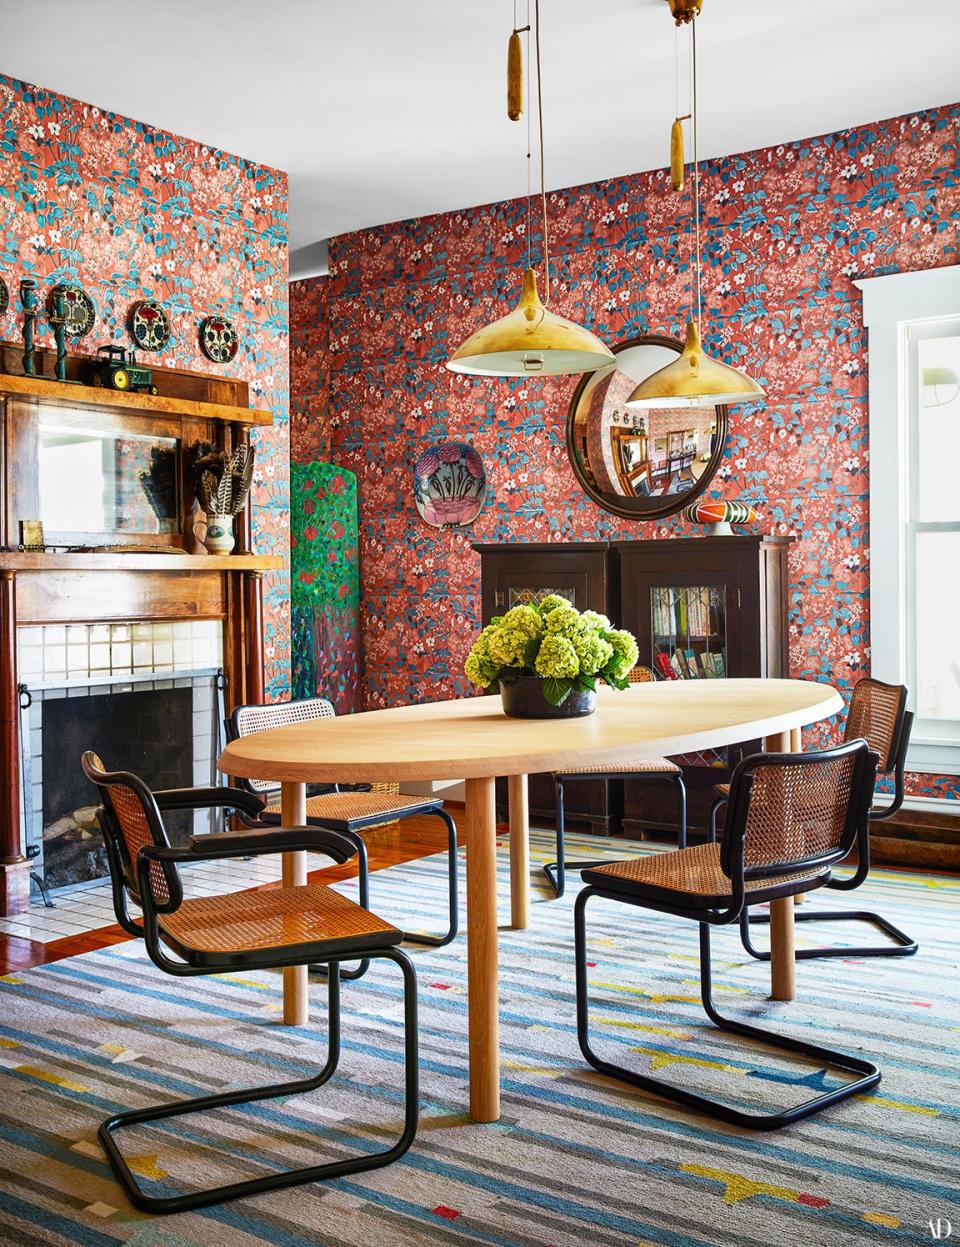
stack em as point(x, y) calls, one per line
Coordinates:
point(310, 921)
point(370, 808)
point(645, 766)
point(694, 873)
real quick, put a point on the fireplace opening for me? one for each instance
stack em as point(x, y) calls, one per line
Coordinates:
point(141, 731)
point(147, 697)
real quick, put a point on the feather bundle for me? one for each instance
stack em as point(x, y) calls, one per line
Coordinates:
point(223, 482)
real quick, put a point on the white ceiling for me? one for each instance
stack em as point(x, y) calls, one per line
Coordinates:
point(386, 109)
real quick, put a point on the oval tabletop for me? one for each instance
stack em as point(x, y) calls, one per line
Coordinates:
point(472, 738)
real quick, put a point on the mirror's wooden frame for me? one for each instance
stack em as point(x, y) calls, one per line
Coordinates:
point(671, 503)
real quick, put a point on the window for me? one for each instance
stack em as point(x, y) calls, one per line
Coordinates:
point(914, 326)
point(933, 525)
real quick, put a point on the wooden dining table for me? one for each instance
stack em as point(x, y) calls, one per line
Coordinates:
point(471, 739)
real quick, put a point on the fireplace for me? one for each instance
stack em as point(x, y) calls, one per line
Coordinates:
point(122, 589)
point(143, 696)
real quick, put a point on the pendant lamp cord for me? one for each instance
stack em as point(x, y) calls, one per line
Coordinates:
point(529, 150)
point(696, 173)
point(543, 183)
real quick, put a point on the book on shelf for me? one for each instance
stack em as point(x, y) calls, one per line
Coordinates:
point(663, 662)
point(684, 612)
point(677, 665)
point(714, 663)
point(693, 666)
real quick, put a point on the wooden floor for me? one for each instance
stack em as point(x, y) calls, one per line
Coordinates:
point(386, 846)
point(415, 837)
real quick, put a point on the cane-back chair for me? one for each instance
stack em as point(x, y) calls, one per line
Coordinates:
point(790, 818)
point(649, 770)
point(349, 813)
point(239, 931)
point(878, 714)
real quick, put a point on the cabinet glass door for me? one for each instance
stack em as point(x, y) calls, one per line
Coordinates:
point(517, 596)
point(688, 632)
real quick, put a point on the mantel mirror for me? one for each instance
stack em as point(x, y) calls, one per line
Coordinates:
point(641, 463)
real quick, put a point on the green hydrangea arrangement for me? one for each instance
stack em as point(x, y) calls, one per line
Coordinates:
point(568, 649)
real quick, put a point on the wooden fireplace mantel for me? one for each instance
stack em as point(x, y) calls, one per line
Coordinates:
point(98, 586)
point(94, 560)
point(62, 393)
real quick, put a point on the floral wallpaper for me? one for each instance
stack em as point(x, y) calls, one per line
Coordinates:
point(786, 231)
point(130, 212)
point(309, 391)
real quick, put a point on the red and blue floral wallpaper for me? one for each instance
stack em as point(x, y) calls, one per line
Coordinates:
point(132, 212)
point(787, 230)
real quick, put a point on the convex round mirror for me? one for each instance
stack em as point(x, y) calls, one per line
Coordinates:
point(634, 461)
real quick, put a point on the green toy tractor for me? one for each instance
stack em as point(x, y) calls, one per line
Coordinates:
point(116, 372)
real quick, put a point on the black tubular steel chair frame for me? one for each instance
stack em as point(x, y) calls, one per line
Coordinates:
point(140, 886)
point(351, 828)
point(900, 943)
point(556, 871)
point(710, 913)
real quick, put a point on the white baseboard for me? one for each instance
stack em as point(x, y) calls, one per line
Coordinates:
point(932, 805)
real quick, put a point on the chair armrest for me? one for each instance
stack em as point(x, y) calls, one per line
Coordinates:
point(210, 798)
point(253, 843)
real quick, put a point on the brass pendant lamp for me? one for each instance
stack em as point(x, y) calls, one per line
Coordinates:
point(693, 379)
point(531, 340)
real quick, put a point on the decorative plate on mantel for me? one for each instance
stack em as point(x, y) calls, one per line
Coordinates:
point(149, 325)
point(78, 306)
point(218, 339)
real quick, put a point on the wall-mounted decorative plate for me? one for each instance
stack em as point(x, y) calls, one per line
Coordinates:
point(149, 326)
point(4, 296)
point(218, 339)
point(449, 485)
point(81, 314)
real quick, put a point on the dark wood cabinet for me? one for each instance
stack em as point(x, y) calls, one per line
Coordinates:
point(523, 572)
point(700, 608)
point(714, 607)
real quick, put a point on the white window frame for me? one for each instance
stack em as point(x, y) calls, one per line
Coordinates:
point(890, 305)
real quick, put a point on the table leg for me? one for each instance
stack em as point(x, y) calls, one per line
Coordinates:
point(293, 813)
point(519, 852)
point(783, 979)
point(482, 990)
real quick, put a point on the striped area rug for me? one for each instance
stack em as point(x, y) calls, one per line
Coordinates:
point(576, 1159)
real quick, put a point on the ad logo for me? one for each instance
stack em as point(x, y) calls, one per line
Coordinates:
point(941, 1228)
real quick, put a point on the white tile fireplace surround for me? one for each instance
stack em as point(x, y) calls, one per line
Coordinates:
point(163, 713)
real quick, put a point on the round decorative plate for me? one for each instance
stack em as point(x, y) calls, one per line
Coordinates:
point(81, 314)
point(449, 485)
point(149, 325)
point(4, 296)
point(218, 339)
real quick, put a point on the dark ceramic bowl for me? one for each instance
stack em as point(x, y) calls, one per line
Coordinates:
point(523, 698)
